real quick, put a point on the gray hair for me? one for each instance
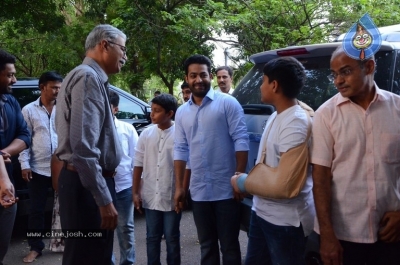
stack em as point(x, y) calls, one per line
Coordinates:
point(102, 32)
point(340, 50)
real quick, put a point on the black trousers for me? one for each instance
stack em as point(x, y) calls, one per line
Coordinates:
point(38, 187)
point(378, 253)
point(79, 212)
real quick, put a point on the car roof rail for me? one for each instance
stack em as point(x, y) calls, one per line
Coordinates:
point(389, 33)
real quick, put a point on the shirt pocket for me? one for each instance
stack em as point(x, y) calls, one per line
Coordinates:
point(390, 147)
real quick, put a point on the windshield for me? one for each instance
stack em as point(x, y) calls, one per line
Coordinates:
point(318, 88)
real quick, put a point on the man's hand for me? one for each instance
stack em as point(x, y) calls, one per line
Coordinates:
point(6, 156)
point(331, 251)
point(234, 182)
point(179, 199)
point(7, 197)
point(237, 194)
point(55, 165)
point(26, 174)
point(137, 201)
point(390, 227)
point(109, 216)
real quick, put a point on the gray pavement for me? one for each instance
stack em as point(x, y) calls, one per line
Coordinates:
point(190, 249)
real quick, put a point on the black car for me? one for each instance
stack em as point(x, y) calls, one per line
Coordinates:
point(131, 110)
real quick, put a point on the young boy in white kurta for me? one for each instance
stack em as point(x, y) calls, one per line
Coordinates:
point(154, 181)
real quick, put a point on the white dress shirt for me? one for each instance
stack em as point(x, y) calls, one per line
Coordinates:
point(128, 138)
point(230, 90)
point(44, 138)
point(154, 152)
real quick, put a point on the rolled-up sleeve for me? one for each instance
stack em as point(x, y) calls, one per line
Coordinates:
point(22, 131)
point(237, 125)
point(24, 156)
point(322, 141)
point(87, 118)
point(181, 148)
point(133, 138)
point(139, 150)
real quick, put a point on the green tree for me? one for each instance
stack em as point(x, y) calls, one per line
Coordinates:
point(162, 36)
point(49, 35)
point(265, 25)
point(27, 14)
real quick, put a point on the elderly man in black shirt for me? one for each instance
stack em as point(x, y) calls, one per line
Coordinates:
point(89, 148)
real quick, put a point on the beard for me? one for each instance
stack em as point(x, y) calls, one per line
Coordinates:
point(5, 90)
point(201, 91)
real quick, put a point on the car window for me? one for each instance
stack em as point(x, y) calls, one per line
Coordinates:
point(318, 88)
point(384, 69)
point(26, 95)
point(396, 77)
point(129, 109)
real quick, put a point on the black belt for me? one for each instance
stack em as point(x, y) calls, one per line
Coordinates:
point(105, 173)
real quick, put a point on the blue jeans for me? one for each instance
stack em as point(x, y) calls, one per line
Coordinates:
point(126, 239)
point(38, 187)
point(157, 224)
point(218, 220)
point(273, 244)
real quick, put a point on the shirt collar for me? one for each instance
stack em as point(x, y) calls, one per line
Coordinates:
point(166, 130)
point(379, 96)
point(3, 97)
point(230, 90)
point(92, 63)
point(210, 94)
point(40, 103)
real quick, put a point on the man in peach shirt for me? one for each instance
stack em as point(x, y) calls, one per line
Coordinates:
point(356, 167)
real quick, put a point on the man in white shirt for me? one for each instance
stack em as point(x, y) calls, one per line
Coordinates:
point(35, 161)
point(224, 79)
point(128, 138)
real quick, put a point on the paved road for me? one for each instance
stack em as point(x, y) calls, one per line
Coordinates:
point(190, 248)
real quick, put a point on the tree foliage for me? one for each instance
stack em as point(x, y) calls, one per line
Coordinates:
point(159, 41)
point(50, 34)
point(265, 25)
point(27, 14)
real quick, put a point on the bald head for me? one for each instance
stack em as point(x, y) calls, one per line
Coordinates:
point(353, 78)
